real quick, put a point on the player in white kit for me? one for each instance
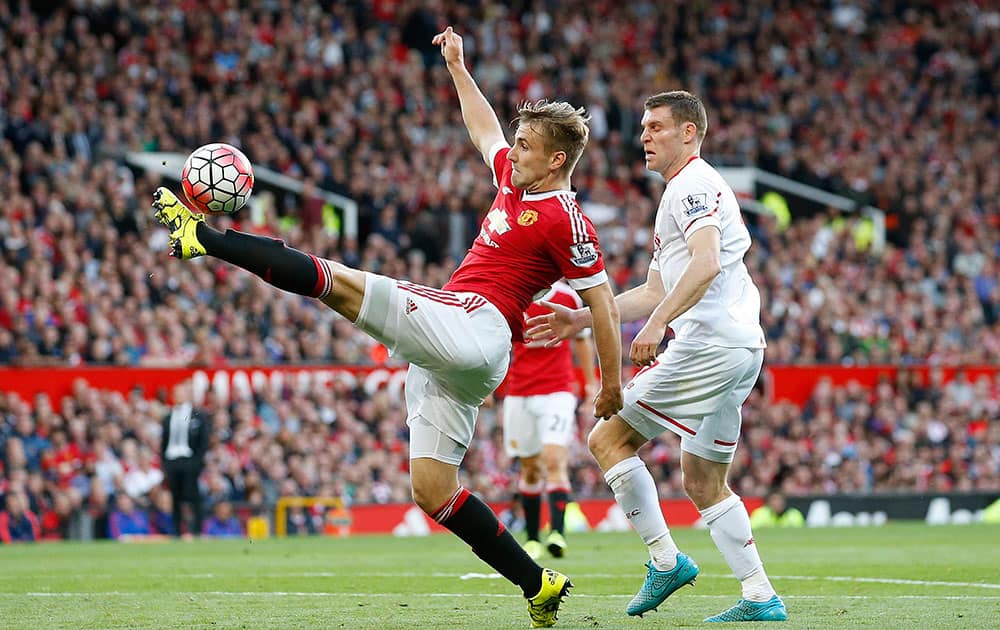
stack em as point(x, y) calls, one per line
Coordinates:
point(697, 285)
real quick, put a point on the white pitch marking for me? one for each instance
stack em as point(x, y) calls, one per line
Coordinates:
point(496, 576)
point(842, 578)
point(67, 594)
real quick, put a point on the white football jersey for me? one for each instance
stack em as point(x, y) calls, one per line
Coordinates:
point(728, 314)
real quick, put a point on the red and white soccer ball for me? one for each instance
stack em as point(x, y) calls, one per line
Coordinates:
point(217, 178)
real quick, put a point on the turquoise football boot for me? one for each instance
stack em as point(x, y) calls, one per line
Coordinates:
point(660, 585)
point(744, 610)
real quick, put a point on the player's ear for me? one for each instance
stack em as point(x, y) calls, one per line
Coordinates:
point(690, 132)
point(557, 160)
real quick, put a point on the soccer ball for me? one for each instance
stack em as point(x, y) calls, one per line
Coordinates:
point(217, 178)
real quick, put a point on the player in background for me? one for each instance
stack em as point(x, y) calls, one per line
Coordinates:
point(697, 285)
point(458, 338)
point(539, 421)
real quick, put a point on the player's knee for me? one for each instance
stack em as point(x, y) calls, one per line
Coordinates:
point(347, 290)
point(423, 494)
point(703, 492)
point(598, 442)
point(531, 470)
point(424, 497)
point(430, 492)
point(554, 464)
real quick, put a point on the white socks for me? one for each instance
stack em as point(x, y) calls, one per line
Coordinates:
point(635, 492)
point(729, 525)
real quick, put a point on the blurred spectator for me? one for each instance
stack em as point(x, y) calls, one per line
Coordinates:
point(17, 522)
point(142, 477)
point(223, 522)
point(98, 511)
point(57, 520)
point(127, 519)
point(161, 515)
point(776, 513)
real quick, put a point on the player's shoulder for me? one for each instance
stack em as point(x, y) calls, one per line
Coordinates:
point(696, 178)
point(550, 209)
point(697, 172)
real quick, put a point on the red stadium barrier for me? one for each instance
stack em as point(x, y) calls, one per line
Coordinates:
point(406, 519)
point(59, 382)
point(796, 383)
point(791, 383)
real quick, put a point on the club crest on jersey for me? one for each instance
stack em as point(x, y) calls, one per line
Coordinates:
point(695, 204)
point(527, 217)
point(583, 254)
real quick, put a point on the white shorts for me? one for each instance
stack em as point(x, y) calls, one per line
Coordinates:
point(457, 344)
point(696, 391)
point(530, 422)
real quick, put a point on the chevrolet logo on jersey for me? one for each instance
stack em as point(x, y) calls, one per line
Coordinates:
point(527, 217)
point(497, 220)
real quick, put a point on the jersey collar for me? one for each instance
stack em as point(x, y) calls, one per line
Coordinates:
point(690, 159)
point(548, 194)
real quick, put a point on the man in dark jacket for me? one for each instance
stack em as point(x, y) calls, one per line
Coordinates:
point(17, 522)
point(184, 443)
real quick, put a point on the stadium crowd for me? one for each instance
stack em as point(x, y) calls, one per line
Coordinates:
point(80, 460)
point(888, 103)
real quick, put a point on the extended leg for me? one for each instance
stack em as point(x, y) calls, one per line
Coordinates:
point(437, 491)
point(338, 286)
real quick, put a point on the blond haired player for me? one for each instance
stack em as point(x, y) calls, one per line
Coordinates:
point(458, 338)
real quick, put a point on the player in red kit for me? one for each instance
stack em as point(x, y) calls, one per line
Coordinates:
point(539, 421)
point(458, 338)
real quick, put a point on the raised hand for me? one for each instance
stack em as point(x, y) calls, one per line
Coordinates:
point(451, 46)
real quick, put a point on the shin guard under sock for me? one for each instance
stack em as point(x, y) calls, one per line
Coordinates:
point(474, 522)
point(282, 266)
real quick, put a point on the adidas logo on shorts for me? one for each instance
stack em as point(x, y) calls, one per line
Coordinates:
point(410, 306)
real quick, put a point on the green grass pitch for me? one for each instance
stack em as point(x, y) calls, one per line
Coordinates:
point(900, 576)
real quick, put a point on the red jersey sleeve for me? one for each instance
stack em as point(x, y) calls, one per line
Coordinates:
point(574, 246)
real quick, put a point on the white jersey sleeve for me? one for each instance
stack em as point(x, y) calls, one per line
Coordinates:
point(695, 204)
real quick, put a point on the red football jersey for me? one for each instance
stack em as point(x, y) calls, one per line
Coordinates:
point(526, 243)
point(536, 370)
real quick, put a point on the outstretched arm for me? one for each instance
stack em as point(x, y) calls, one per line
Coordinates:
point(563, 323)
point(480, 119)
point(608, 338)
